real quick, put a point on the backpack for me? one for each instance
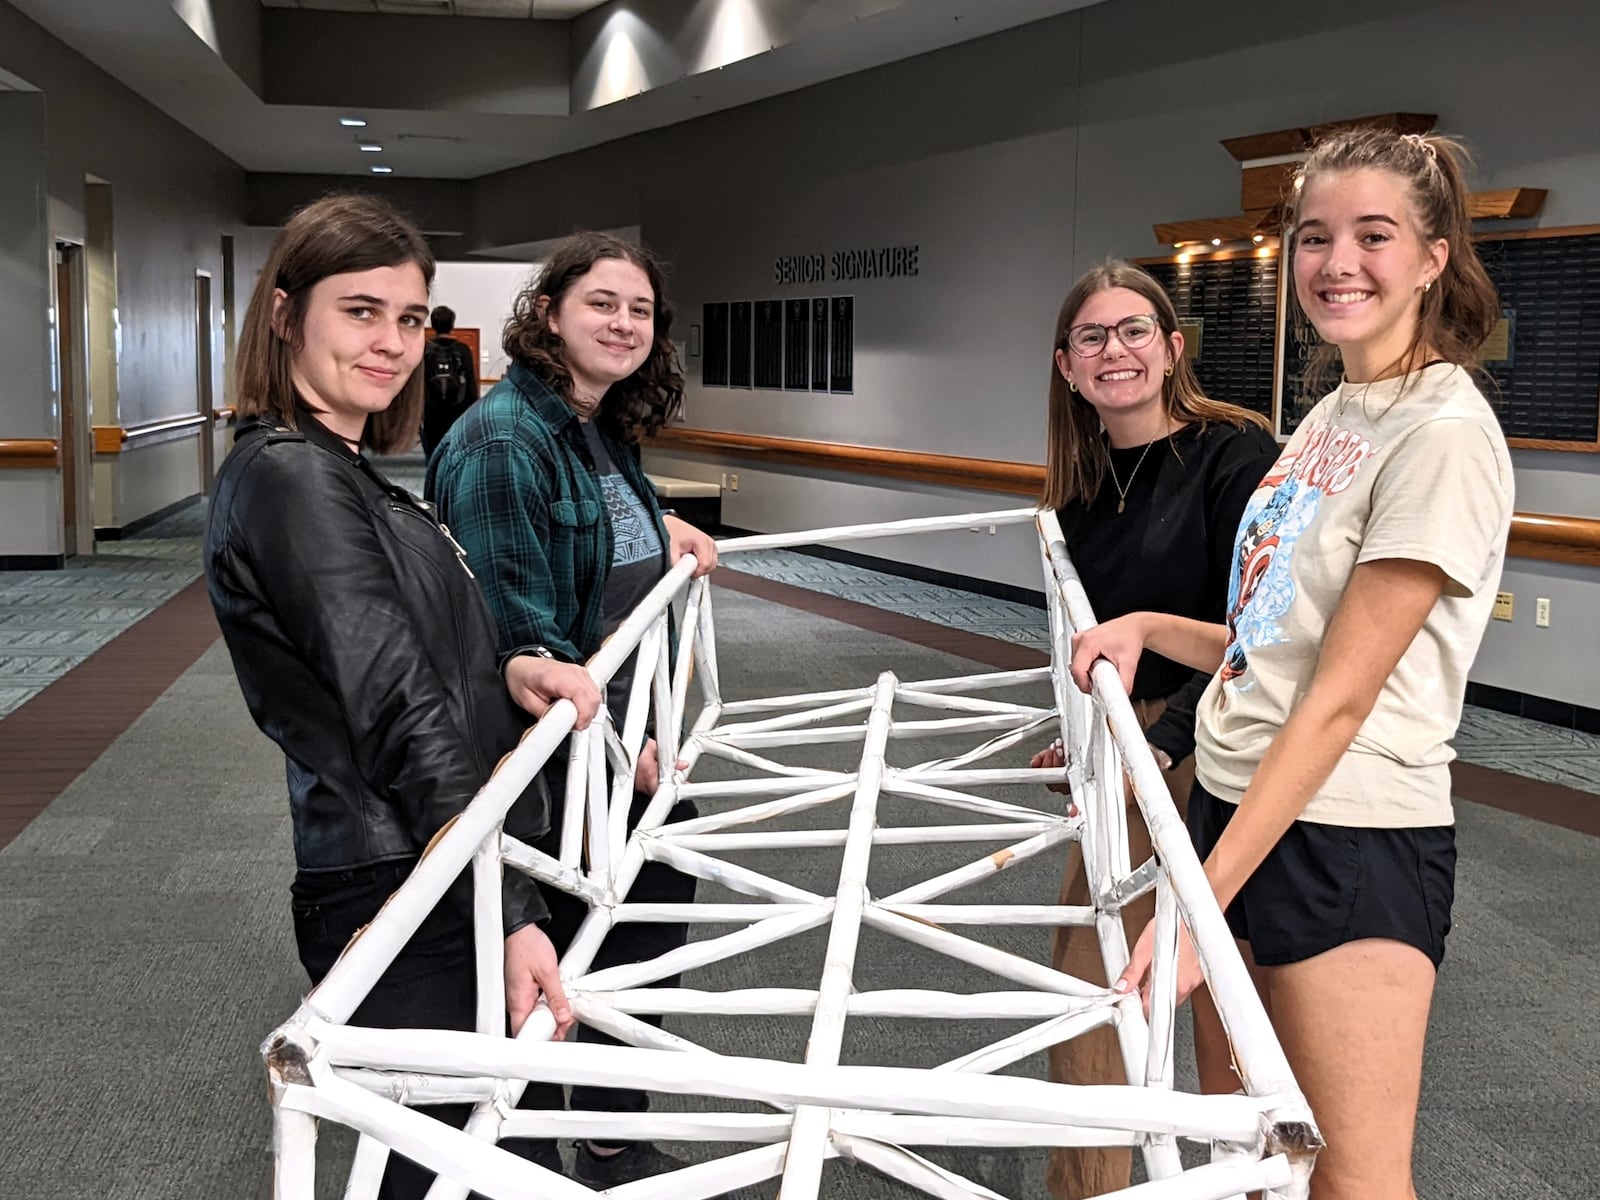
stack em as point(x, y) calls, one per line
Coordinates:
point(449, 381)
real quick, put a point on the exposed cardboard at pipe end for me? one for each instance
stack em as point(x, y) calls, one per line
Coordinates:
point(287, 1062)
point(1001, 859)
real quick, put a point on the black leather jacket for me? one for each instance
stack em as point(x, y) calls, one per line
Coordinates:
point(364, 650)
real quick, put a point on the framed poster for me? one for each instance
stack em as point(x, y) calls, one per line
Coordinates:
point(741, 328)
point(819, 345)
point(842, 343)
point(797, 345)
point(768, 369)
point(714, 357)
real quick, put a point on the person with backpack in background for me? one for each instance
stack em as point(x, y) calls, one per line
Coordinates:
point(450, 375)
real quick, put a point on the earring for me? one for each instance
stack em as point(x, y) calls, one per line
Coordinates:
point(1428, 286)
point(1072, 384)
point(1169, 370)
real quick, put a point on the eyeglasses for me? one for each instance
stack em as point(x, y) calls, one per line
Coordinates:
point(1089, 341)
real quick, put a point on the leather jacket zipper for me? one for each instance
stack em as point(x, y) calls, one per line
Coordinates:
point(422, 509)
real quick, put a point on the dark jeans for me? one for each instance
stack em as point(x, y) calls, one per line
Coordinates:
point(633, 942)
point(432, 985)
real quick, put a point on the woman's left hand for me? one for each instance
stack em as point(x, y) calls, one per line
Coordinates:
point(1138, 974)
point(686, 539)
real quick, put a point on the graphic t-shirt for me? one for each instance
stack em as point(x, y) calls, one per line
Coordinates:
point(637, 563)
point(1412, 468)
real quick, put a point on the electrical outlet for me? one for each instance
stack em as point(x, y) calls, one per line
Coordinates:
point(724, 481)
point(1541, 612)
point(733, 483)
point(1503, 604)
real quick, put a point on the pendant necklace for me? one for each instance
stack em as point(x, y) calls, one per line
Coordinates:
point(1122, 492)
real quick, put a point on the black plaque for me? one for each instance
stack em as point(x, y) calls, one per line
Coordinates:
point(1234, 302)
point(769, 344)
point(714, 357)
point(740, 326)
point(1549, 379)
point(819, 345)
point(842, 340)
point(797, 345)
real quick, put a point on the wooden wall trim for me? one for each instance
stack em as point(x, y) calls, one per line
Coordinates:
point(23, 454)
point(114, 439)
point(1533, 535)
point(982, 474)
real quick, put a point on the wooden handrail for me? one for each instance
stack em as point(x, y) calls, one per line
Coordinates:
point(21, 454)
point(113, 439)
point(1533, 535)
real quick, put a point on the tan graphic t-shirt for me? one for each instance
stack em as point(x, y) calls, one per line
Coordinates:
point(1371, 474)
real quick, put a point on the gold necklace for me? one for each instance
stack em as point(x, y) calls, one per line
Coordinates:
point(1122, 492)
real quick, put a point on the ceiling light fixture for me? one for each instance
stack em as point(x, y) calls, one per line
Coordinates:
point(383, 170)
point(352, 122)
point(371, 148)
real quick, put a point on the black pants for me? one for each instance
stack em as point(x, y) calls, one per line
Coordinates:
point(432, 982)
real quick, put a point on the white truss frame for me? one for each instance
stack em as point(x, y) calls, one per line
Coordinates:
point(1262, 1138)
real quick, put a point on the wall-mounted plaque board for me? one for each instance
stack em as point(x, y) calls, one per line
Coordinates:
point(842, 342)
point(714, 345)
point(768, 370)
point(1230, 300)
point(819, 345)
point(797, 345)
point(741, 322)
point(1547, 348)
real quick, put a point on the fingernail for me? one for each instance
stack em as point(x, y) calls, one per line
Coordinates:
point(1121, 986)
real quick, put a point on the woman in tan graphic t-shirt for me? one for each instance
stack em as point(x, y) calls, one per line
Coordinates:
point(1364, 571)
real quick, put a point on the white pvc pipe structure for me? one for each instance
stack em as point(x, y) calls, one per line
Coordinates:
point(1265, 1140)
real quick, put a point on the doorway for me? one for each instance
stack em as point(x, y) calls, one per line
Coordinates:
point(72, 353)
point(203, 328)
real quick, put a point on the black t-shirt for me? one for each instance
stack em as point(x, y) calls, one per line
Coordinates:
point(637, 562)
point(1170, 549)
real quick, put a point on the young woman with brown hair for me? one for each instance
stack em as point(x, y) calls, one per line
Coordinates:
point(1148, 476)
point(330, 585)
point(1364, 574)
point(542, 483)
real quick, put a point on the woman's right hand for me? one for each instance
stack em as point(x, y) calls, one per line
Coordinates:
point(536, 683)
point(1118, 641)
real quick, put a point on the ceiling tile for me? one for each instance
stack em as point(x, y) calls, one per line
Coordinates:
point(493, 8)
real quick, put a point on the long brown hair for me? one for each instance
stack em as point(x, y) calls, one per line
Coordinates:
point(634, 407)
point(1460, 309)
point(333, 236)
point(1077, 456)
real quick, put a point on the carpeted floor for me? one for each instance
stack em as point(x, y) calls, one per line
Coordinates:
point(145, 932)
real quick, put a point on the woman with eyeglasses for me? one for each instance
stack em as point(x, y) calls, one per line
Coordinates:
point(1149, 477)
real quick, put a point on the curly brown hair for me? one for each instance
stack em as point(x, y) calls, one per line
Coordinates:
point(634, 407)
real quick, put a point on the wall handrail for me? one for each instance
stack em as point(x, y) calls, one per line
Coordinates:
point(41, 454)
point(1546, 536)
point(113, 439)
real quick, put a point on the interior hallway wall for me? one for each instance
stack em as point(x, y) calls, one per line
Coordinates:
point(30, 498)
point(173, 196)
point(1018, 160)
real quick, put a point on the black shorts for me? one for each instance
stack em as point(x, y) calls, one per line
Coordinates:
point(1324, 885)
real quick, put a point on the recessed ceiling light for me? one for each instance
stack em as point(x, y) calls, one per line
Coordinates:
point(371, 148)
point(383, 170)
point(352, 122)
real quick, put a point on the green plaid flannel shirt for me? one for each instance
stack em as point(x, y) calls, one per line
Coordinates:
point(514, 483)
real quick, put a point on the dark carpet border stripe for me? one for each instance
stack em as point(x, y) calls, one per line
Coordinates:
point(54, 737)
point(1549, 803)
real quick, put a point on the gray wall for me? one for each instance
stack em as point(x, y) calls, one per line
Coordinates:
point(173, 197)
point(1019, 160)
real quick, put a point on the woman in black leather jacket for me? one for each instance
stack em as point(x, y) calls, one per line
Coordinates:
point(362, 644)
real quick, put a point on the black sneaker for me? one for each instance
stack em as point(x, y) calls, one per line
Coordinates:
point(639, 1161)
